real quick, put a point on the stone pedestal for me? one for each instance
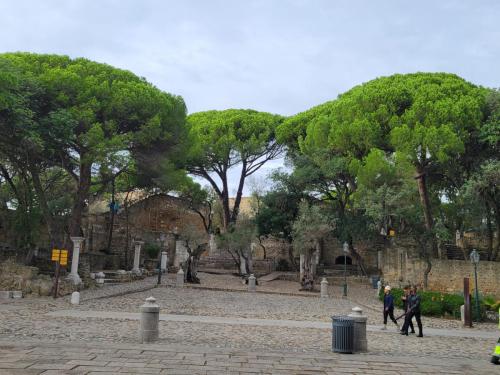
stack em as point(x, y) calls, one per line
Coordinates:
point(324, 288)
point(164, 260)
point(252, 284)
point(180, 279)
point(77, 244)
point(150, 317)
point(75, 298)
point(137, 257)
point(360, 342)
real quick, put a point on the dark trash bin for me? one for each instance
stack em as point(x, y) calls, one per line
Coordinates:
point(342, 334)
point(375, 280)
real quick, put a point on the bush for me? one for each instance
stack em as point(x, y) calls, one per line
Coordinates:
point(151, 250)
point(432, 303)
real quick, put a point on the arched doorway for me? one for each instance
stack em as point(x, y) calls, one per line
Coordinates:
point(341, 259)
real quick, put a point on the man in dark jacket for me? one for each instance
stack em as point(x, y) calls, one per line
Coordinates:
point(389, 307)
point(414, 311)
point(404, 299)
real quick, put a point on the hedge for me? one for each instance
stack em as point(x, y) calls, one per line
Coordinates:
point(437, 303)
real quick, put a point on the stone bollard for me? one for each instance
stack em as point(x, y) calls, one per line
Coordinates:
point(252, 284)
point(360, 342)
point(180, 278)
point(99, 278)
point(75, 298)
point(150, 317)
point(5, 294)
point(17, 294)
point(324, 288)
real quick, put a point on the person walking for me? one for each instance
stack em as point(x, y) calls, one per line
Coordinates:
point(404, 298)
point(389, 307)
point(414, 311)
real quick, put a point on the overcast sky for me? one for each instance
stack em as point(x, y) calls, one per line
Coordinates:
point(280, 56)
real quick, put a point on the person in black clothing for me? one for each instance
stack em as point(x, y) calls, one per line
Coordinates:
point(414, 311)
point(389, 307)
point(404, 298)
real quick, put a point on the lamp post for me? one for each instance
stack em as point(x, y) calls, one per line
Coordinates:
point(474, 258)
point(346, 250)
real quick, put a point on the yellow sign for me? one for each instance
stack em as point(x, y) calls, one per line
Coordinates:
point(392, 232)
point(60, 256)
point(55, 254)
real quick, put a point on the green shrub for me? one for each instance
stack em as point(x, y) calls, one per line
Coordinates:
point(151, 250)
point(431, 308)
point(432, 303)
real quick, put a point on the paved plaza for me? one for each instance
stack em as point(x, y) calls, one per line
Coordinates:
point(212, 331)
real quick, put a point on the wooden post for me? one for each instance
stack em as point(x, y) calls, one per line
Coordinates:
point(467, 305)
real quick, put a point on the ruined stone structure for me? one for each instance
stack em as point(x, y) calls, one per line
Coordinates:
point(157, 220)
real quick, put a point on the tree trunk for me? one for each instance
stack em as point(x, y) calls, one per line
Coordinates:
point(80, 198)
point(307, 282)
point(226, 214)
point(239, 193)
point(192, 270)
point(112, 217)
point(127, 232)
point(426, 273)
point(424, 199)
point(47, 216)
point(489, 229)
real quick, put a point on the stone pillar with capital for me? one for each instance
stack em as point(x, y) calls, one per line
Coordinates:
point(137, 256)
point(77, 244)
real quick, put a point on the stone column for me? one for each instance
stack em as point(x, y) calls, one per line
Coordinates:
point(324, 288)
point(360, 342)
point(137, 257)
point(77, 244)
point(212, 246)
point(164, 260)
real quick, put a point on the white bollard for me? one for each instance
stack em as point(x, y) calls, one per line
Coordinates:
point(75, 298)
point(180, 278)
point(324, 288)
point(99, 278)
point(150, 317)
point(360, 342)
point(252, 284)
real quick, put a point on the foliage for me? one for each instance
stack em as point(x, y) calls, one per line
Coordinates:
point(311, 226)
point(151, 250)
point(83, 117)
point(221, 140)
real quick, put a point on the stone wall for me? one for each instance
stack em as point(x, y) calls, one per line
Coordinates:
point(400, 269)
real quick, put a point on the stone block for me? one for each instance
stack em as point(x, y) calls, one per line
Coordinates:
point(17, 294)
point(5, 294)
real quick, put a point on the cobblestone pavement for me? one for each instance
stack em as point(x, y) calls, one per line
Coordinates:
point(70, 358)
point(25, 320)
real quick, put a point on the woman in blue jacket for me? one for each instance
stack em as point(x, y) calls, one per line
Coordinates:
point(389, 307)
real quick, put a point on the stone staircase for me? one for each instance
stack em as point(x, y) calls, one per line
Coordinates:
point(453, 252)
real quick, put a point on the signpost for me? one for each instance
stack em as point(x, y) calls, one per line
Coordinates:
point(60, 256)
